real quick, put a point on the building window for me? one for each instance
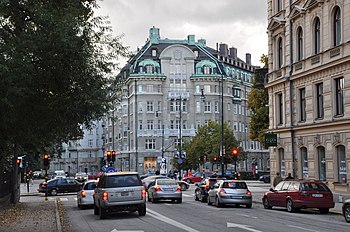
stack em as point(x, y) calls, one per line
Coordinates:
point(279, 53)
point(217, 107)
point(207, 89)
point(198, 107)
point(159, 106)
point(321, 163)
point(207, 107)
point(317, 36)
point(278, 5)
point(154, 52)
point(341, 164)
point(140, 124)
point(149, 69)
point(150, 144)
point(302, 105)
point(300, 43)
point(149, 106)
point(140, 88)
point(319, 100)
point(336, 26)
point(90, 142)
point(282, 162)
point(339, 96)
point(279, 108)
point(206, 70)
point(150, 124)
point(172, 124)
point(305, 165)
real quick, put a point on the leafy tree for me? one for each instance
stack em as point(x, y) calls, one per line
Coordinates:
point(56, 61)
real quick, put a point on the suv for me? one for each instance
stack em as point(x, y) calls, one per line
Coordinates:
point(119, 191)
point(201, 192)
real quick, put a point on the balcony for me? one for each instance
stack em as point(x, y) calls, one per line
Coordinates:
point(236, 99)
point(178, 95)
point(167, 132)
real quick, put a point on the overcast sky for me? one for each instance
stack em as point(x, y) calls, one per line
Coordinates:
point(238, 23)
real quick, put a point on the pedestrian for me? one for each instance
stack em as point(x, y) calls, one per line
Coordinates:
point(175, 174)
point(277, 179)
point(289, 177)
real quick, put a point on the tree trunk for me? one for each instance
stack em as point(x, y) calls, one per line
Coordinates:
point(15, 182)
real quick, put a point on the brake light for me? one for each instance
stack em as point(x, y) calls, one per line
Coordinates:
point(158, 189)
point(222, 191)
point(83, 193)
point(178, 189)
point(105, 196)
point(248, 192)
point(143, 192)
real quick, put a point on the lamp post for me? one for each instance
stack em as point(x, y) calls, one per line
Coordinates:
point(222, 148)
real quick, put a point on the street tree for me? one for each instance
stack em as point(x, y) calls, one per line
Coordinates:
point(56, 66)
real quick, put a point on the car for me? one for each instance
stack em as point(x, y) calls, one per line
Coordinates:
point(299, 194)
point(59, 185)
point(230, 192)
point(85, 195)
point(201, 191)
point(94, 175)
point(265, 178)
point(119, 191)
point(346, 210)
point(147, 175)
point(183, 184)
point(81, 176)
point(197, 177)
point(164, 189)
point(60, 174)
point(148, 180)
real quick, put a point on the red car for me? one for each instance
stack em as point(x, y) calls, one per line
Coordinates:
point(197, 177)
point(296, 195)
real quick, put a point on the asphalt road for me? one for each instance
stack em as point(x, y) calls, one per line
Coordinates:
point(195, 216)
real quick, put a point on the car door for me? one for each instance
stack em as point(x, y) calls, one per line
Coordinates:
point(274, 195)
point(62, 185)
point(283, 194)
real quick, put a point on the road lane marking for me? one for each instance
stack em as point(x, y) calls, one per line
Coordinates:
point(187, 195)
point(63, 199)
point(170, 221)
point(245, 215)
point(302, 228)
point(244, 227)
point(115, 230)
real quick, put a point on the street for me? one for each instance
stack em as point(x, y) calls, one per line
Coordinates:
point(194, 216)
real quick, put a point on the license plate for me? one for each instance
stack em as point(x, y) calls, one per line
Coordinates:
point(123, 194)
point(317, 195)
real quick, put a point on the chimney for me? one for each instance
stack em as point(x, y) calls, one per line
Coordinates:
point(233, 53)
point(223, 50)
point(191, 39)
point(248, 58)
point(154, 35)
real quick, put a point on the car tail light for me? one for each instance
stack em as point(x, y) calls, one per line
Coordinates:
point(143, 192)
point(222, 191)
point(178, 189)
point(105, 196)
point(248, 192)
point(83, 193)
point(158, 189)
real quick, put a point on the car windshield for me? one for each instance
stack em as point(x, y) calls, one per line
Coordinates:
point(234, 185)
point(90, 186)
point(314, 187)
point(166, 182)
point(122, 181)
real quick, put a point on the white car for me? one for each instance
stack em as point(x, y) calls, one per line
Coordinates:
point(85, 195)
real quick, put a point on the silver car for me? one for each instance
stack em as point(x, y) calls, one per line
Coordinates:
point(85, 195)
point(164, 189)
point(230, 192)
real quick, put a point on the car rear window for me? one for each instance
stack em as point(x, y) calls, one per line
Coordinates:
point(234, 185)
point(122, 181)
point(166, 182)
point(314, 187)
point(90, 186)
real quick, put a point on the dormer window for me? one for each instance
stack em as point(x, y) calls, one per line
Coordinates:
point(206, 70)
point(149, 69)
point(154, 52)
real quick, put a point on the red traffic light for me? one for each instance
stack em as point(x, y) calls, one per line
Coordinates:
point(18, 161)
point(113, 155)
point(46, 156)
point(235, 152)
point(46, 160)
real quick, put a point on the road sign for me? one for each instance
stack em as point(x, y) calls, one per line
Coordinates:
point(104, 168)
point(111, 169)
point(179, 161)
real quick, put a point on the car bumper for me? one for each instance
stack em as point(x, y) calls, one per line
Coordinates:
point(161, 195)
point(308, 204)
point(87, 201)
point(236, 200)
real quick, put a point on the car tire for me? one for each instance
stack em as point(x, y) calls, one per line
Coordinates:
point(179, 200)
point(266, 203)
point(153, 200)
point(249, 206)
point(290, 206)
point(196, 197)
point(202, 199)
point(96, 210)
point(142, 210)
point(346, 213)
point(267, 180)
point(217, 202)
point(102, 212)
point(324, 210)
point(208, 201)
point(53, 192)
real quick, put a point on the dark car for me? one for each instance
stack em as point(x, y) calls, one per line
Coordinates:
point(60, 185)
point(346, 210)
point(295, 195)
point(201, 191)
point(265, 178)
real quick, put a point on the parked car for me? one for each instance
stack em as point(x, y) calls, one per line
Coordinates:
point(265, 178)
point(201, 191)
point(60, 174)
point(295, 195)
point(60, 185)
point(85, 195)
point(197, 177)
point(119, 191)
point(164, 189)
point(81, 176)
point(94, 175)
point(346, 210)
point(230, 192)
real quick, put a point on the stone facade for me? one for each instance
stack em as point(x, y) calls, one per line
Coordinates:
point(309, 89)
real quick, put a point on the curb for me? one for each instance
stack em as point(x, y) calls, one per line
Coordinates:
point(58, 221)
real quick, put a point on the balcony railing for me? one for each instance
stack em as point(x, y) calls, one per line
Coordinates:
point(167, 132)
point(178, 95)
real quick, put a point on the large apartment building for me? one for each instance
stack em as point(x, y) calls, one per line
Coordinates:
point(170, 88)
point(309, 90)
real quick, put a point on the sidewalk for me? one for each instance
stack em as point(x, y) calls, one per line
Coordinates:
point(33, 213)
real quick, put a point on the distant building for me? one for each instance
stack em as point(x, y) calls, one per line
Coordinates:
point(308, 85)
point(168, 89)
point(82, 155)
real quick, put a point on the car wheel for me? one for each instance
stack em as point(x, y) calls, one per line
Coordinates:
point(208, 201)
point(266, 203)
point(202, 199)
point(103, 213)
point(142, 210)
point(183, 187)
point(267, 180)
point(179, 200)
point(249, 206)
point(290, 207)
point(324, 210)
point(188, 181)
point(53, 192)
point(153, 200)
point(195, 196)
point(346, 213)
point(217, 202)
point(148, 198)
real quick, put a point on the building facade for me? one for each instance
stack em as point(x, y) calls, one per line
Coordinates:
point(170, 88)
point(309, 87)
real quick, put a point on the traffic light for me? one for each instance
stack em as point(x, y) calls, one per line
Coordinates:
point(46, 160)
point(113, 155)
point(18, 162)
point(215, 159)
point(109, 156)
point(235, 153)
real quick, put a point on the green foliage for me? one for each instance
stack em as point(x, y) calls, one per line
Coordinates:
point(265, 60)
point(56, 61)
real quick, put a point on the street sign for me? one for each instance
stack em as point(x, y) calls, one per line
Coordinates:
point(270, 140)
point(111, 169)
point(179, 161)
point(104, 168)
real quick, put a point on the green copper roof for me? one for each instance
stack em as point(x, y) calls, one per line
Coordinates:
point(149, 62)
point(205, 63)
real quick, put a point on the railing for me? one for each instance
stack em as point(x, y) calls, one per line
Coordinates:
point(167, 132)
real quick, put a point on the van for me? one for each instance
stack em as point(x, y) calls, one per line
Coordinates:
point(60, 174)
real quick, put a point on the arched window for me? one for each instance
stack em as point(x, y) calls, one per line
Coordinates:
point(317, 36)
point(279, 53)
point(321, 163)
point(342, 173)
point(300, 43)
point(305, 165)
point(282, 162)
point(336, 26)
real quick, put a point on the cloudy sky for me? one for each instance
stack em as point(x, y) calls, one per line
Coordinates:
point(238, 23)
